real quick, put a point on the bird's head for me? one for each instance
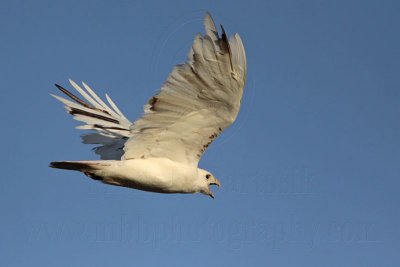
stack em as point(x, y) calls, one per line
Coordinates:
point(206, 179)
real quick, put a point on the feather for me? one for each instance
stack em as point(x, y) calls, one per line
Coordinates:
point(111, 126)
point(199, 99)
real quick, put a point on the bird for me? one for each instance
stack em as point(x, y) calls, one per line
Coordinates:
point(160, 151)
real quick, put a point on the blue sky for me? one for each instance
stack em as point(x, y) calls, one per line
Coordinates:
point(310, 170)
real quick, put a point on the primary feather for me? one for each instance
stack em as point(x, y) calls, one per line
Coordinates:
point(111, 126)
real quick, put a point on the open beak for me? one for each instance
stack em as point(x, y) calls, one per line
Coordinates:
point(216, 182)
point(213, 182)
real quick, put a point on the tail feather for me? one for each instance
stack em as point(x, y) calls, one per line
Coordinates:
point(73, 165)
point(81, 165)
point(93, 169)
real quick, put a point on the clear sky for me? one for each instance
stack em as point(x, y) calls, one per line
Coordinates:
point(309, 171)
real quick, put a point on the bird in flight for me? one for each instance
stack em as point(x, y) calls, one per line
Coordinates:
point(161, 150)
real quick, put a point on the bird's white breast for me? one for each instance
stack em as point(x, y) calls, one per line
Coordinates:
point(153, 174)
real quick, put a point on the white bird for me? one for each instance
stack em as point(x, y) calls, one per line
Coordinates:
point(160, 151)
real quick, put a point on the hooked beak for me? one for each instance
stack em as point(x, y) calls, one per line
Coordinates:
point(216, 182)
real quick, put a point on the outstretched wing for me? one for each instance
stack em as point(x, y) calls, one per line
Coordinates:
point(198, 101)
point(111, 126)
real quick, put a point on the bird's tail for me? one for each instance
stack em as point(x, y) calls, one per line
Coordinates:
point(90, 168)
point(73, 165)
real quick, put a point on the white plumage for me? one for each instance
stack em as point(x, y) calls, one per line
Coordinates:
point(160, 151)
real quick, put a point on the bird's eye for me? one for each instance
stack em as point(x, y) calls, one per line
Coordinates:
point(208, 176)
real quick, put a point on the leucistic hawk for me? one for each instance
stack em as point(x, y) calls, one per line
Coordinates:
point(160, 151)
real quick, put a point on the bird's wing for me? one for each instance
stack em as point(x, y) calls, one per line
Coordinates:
point(198, 101)
point(112, 128)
